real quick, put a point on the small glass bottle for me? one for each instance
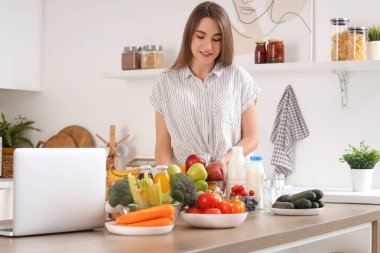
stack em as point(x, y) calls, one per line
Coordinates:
point(260, 52)
point(162, 176)
point(131, 58)
point(275, 51)
point(357, 43)
point(152, 57)
point(339, 39)
point(256, 176)
point(143, 169)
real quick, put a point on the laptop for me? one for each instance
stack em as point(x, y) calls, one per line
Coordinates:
point(57, 190)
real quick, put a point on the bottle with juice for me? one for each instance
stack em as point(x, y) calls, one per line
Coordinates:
point(162, 176)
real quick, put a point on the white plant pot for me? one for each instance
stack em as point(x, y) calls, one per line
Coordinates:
point(361, 180)
point(373, 50)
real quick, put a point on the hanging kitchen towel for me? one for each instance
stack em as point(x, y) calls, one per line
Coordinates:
point(289, 127)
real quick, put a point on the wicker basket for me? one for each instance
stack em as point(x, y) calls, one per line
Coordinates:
point(7, 162)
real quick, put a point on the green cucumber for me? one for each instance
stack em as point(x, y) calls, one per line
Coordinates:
point(318, 193)
point(321, 203)
point(304, 195)
point(284, 198)
point(302, 204)
point(314, 204)
point(283, 205)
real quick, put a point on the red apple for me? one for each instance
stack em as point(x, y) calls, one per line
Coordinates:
point(193, 158)
point(214, 172)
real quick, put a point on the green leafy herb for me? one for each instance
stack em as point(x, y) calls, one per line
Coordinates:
point(13, 133)
point(361, 158)
point(373, 33)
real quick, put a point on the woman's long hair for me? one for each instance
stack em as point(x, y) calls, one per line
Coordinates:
point(220, 16)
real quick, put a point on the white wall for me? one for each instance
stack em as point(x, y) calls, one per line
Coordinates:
point(84, 38)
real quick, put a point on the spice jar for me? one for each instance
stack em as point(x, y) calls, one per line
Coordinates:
point(275, 51)
point(357, 43)
point(260, 52)
point(339, 39)
point(131, 58)
point(152, 57)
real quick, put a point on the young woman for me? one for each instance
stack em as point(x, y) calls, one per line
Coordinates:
point(205, 104)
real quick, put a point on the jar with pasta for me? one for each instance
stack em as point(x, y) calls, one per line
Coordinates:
point(339, 39)
point(357, 43)
point(152, 57)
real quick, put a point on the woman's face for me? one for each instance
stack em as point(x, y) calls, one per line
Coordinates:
point(206, 42)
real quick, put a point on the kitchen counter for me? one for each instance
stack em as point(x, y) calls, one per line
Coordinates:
point(260, 231)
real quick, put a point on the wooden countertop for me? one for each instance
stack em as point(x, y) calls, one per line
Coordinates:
point(261, 230)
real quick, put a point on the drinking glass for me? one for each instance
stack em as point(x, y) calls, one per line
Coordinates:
point(278, 183)
point(268, 194)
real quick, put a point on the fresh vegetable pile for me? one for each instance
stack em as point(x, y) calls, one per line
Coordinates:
point(302, 200)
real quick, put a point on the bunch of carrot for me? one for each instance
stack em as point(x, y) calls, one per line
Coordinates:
point(157, 216)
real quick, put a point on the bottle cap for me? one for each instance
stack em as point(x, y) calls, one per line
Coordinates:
point(161, 167)
point(256, 158)
point(145, 167)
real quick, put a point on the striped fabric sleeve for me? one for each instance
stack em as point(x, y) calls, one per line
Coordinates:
point(249, 89)
point(156, 96)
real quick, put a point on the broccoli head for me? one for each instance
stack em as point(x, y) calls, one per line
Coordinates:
point(120, 193)
point(183, 190)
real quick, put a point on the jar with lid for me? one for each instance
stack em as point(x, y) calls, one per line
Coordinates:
point(147, 169)
point(339, 39)
point(275, 51)
point(357, 43)
point(162, 176)
point(152, 57)
point(260, 52)
point(131, 58)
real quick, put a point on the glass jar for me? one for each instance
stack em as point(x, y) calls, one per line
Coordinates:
point(147, 169)
point(162, 176)
point(339, 39)
point(131, 58)
point(357, 43)
point(260, 52)
point(152, 57)
point(275, 51)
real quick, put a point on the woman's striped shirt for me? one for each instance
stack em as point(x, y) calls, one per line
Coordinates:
point(203, 118)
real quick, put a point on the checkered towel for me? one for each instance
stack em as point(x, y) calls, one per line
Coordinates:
point(289, 127)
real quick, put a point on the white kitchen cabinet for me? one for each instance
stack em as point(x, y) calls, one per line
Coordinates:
point(21, 44)
point(6, 199)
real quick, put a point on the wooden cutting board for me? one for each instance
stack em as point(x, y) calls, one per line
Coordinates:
point(60, 140)
point(82, 137)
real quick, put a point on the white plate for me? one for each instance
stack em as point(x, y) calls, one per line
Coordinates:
point(213, 220)
point(311, 211)
point(124, 230)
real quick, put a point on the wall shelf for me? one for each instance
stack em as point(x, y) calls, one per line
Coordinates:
point(341, 69)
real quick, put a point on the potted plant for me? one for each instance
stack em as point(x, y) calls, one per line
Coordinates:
point(13, 136)
point(361, 160)
point(373, 44)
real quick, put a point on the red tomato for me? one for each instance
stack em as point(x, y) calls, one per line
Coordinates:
point(238, 206)
point(211, 211)
point(208, 200)
point(240, 188)
point(233, 194)
point(193, 210)
point(243, 193)
point(226, 206)
point(251, 193)
point(234, 189)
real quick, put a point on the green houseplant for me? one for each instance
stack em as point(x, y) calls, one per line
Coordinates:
point(373, 44)
point(13, 136)
point(361, 160)
point(13, 133)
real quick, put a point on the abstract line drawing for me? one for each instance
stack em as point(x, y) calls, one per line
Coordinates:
point(290, 20)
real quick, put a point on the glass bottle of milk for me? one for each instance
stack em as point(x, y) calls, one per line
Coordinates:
point(256, 175)
point(236, 169)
